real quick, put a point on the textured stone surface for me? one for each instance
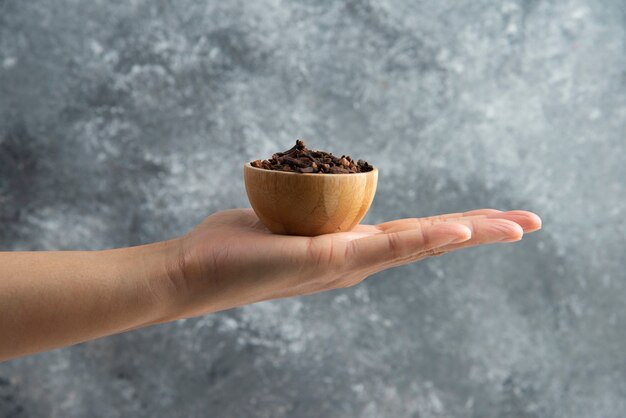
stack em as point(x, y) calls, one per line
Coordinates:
point(117, 124)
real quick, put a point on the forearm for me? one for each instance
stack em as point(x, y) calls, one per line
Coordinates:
point(54, 299)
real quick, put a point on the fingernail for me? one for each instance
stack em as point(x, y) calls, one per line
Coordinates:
point(509, 239)
point(451, 234)
point(458, 240)
point(538, 227)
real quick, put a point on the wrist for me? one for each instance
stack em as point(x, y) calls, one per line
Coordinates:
point(157, 276)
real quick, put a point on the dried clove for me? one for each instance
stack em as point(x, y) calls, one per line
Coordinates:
point(300, 159)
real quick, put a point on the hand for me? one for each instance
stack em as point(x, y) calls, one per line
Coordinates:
point(51, 299)
point(231, 259)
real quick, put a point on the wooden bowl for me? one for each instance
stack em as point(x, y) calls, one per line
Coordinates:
point(309, 204)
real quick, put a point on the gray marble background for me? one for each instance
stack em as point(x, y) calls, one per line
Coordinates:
point(118, 124)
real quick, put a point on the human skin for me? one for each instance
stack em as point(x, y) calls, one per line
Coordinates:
point(52, 299)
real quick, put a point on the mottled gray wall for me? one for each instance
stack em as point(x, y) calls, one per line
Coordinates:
point(118, 124)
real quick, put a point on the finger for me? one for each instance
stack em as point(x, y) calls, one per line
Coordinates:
point(484, 232)
point(491, 230)
point(527, 220)
point(411, 222)
point(369, 229)
point(384, 248)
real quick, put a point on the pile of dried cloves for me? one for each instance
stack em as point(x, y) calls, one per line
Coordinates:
point(300, 159)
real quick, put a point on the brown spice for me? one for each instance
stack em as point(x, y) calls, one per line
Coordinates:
point(300, 159)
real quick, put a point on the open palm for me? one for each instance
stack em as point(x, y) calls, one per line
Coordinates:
point(231, 259)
